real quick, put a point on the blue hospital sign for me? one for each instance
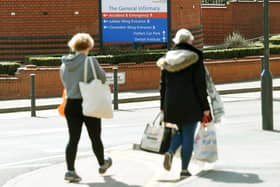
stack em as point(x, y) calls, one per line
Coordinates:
point(134, 21)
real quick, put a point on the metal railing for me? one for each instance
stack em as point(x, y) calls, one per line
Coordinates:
point(216, 2)
point(223, 2)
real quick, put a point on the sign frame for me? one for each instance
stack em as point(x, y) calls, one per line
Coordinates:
point(110, 77)
point(167, 26)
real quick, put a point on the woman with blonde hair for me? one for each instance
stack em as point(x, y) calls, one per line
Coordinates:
point(72, 72)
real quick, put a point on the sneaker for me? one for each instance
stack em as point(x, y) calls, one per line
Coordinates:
point(185, 174)
point(167, 160)
point(72, 176)
point(105, 166)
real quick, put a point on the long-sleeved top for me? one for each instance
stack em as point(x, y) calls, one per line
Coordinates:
point(72, 72)
point(183, 88)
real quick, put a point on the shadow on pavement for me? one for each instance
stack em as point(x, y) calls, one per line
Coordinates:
point(109, 182)
point(231, 177)
point(170, 180)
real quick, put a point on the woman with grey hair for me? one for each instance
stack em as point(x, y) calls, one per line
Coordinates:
point(183, 96)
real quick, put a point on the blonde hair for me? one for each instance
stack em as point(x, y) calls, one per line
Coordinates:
point(81, 42)
point(183, 35)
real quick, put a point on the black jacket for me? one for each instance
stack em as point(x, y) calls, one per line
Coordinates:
point(183, 92)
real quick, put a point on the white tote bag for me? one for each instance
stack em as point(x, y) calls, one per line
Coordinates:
point(205, 144)
point(97, 99)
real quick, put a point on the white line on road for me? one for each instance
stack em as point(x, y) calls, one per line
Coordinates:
point(30, 132)
point(81, 154)
point(26, 166)
point(12, 164)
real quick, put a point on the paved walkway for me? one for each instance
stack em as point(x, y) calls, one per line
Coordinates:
point(134, 168)
point(248, 156)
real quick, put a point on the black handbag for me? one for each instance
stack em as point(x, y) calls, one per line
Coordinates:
point(156, 137)
point(166, 140)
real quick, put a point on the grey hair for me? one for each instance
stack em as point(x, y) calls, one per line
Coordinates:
point(183, 35)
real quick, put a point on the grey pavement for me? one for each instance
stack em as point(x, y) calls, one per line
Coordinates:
point(248, 156)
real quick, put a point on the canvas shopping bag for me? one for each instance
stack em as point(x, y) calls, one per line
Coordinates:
point(97, 100)
point(156, 137)
point(205, 144)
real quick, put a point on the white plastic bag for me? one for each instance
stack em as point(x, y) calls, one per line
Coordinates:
point(97, 100)
point(205, 144)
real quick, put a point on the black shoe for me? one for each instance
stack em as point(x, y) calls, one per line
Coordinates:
point(72, 176)
point(185, 174)
point(105, 166)
point(167, 160)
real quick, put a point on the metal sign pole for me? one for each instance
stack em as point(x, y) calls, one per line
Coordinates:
point(100, 25)
point(266, 77)
point(169, 23)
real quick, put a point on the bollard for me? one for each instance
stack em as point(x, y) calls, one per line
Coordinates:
point(266, 94)
point(116, 100)
point(32, 95)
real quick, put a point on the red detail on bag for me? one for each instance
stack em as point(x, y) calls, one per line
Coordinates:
point(205, 119)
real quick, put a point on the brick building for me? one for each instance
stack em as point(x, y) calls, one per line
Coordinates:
point(245, 17)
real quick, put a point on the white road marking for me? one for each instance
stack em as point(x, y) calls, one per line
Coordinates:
point(12, 164)
point(30, 132)
point(26, 166)
point(81, 154)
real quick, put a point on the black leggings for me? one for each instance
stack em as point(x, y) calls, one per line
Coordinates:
point(75, 119)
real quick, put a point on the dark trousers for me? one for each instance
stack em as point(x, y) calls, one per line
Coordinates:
point(185, 137)
point(75, 119)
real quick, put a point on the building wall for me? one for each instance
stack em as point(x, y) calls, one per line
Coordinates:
point(217, 23)
point(44, 26)
point(243, 17)
point(48, 17)
point(185, 14)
